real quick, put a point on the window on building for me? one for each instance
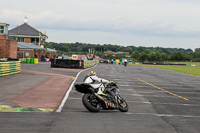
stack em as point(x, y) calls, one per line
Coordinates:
point(20, 39)
point(1, 29)
point(34, 40)
point(12, 37)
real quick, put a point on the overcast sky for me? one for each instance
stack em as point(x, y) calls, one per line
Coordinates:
point(149, 23)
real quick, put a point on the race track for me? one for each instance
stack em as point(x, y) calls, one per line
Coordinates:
point(160, 101)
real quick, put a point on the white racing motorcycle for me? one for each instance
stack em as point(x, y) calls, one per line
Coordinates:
point(109, 100)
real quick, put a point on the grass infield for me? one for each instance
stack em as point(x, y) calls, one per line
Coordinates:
point(183, 69)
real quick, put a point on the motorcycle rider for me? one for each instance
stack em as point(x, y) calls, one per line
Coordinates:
point(125, 62)
point(91, 78)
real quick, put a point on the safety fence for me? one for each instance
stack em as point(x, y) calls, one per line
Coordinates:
point(10, 67)
point(29, 60)
point(68, 63)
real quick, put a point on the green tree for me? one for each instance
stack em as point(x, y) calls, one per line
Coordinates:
point(135, 55)
point(178, 56)
point(143, 57)
point(152, 56)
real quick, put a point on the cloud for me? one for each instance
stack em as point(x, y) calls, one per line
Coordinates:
point(141, 25)
point(142, 22)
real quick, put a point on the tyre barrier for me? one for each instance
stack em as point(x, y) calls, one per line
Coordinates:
point(29, 60)
point(130, 63)
point(11, 67)
point(3, 59)
point(137, 63)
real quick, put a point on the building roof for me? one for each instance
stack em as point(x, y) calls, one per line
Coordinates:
point(126, 53)
point(110, 52)
point(4, 24)
point(51, 50)
point(26, 30)
point(23, 45)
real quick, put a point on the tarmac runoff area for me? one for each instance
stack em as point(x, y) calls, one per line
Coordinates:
point(35, 90)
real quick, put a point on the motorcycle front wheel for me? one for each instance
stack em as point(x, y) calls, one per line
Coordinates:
point(91, 103)
point(123, 106)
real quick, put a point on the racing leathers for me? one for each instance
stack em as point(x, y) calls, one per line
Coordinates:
point(92, 81)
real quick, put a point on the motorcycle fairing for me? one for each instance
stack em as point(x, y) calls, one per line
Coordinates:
point(84, 88)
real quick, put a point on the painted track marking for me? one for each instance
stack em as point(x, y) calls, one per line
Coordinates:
point(162, 89)
point(162, 115)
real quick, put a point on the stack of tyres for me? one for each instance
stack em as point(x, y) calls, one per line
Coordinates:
point(32, 60)
point(23, 60)
point(11, 67)
point(27, 60)
point(35, 60)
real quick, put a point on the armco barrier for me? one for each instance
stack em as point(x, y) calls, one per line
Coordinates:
point(11, 67)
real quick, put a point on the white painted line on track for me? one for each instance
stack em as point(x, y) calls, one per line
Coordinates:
point(197, 93)
point(138, 102)
point(125, 85)
point(141, 86)
point(153, 92)
point(139, 95)
point(162, 115)
point(70, 88)
point(128, 89)
point(116, 79)
point(176, 104)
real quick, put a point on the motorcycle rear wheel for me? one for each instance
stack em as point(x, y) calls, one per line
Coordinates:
point(123, 106)
point(91, 103)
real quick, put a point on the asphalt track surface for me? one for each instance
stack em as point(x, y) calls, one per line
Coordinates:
point(160, 101)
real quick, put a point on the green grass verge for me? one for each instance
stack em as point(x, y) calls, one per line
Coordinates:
point(183, 69)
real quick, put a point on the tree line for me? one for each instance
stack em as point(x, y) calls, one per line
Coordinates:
point(143, 54)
